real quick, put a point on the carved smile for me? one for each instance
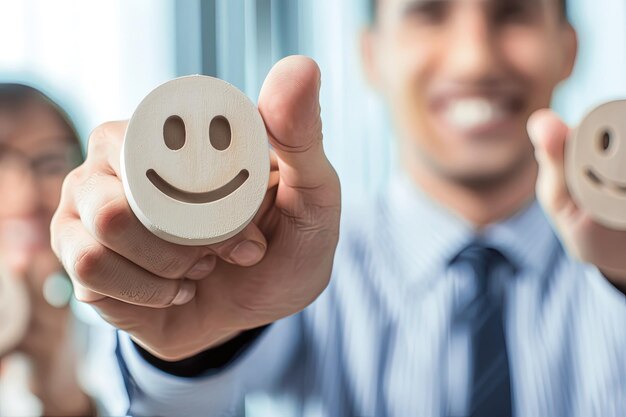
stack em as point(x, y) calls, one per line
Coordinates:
point(197, 198)
point(602, 182)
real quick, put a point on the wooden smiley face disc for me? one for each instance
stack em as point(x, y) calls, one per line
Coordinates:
point(195, 161)
point(595, 165)
point(14, 312)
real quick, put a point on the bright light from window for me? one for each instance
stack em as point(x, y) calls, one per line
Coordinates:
point(101, 56)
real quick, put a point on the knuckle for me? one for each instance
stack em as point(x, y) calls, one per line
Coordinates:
point(88, 264)
point(101, 139)
point(97, 139)
point(175, 265)
point(144, 293)
point(99, 134)
point(112, 218)
point(83, 187)
point(72, 179)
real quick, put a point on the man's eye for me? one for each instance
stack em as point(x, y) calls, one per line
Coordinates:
point(428, 12)
point(512, 12)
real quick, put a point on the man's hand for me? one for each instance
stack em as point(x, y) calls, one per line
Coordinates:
point(584, 238)
point(176, 301)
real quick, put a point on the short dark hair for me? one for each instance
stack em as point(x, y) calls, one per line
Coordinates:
point(373, 5)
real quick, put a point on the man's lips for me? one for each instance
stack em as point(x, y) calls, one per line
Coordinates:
point(476, 114)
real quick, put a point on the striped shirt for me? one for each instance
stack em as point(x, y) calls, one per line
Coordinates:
point(380, 340)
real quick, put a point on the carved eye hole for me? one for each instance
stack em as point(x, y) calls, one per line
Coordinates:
point(174, 133)
point(220, 133)
point(605, 142)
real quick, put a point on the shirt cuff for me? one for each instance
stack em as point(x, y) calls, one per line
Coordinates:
point(214, 360)
point(152, 391)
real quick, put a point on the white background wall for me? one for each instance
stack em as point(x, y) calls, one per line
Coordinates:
point(600, 74)
point(98, 57)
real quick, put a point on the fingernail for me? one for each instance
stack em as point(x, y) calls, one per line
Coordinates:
point(186, 292)
point(202, 267)
point(247, 253)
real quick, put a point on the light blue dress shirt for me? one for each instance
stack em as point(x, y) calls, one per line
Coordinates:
point(380, 341)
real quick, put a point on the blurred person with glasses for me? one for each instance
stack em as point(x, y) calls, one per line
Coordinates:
point(38, 147)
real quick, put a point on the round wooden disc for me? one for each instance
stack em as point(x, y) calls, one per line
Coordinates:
point(14, 312)
point(595, 165)
point(195, 161)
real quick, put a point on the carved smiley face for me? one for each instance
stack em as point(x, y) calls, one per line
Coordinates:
point(195, 161)
point(595, 165)
point(14, 312)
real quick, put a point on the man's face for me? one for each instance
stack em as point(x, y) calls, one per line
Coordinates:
point(463, 76)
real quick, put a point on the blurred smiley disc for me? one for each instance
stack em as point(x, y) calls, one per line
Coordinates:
point(14, 312)
point(595, 164)
point(195, 161)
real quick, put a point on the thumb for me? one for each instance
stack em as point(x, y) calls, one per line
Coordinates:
point(289, 104)
point(549, 133)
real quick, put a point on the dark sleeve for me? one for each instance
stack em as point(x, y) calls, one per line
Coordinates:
point(211, 361)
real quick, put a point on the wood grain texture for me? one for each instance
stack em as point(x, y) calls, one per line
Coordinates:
point(595, 164)
point(197, 190)
point(14, 312)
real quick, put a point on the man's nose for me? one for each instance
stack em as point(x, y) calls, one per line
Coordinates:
point(472, 48)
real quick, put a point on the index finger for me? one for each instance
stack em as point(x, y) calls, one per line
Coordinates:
point(98, 270)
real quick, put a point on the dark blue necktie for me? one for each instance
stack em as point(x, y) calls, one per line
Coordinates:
point(490, 390)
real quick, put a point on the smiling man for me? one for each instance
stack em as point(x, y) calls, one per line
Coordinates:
point(454, 293)
point(462, 78)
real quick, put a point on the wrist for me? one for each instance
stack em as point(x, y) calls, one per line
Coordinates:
point(177, 352)
point(214, 359)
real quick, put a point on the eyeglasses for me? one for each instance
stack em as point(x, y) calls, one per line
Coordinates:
point(44, 164)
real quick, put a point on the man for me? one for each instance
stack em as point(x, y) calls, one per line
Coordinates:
point(450, 295)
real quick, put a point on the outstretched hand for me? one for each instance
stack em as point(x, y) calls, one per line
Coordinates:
point(176, 301)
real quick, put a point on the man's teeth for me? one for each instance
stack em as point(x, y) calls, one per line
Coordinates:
point(472, 113)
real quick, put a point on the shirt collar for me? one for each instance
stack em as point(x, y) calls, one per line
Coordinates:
point(526, 239)
point(427, 236)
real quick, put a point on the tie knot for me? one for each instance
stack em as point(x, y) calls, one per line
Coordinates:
point(482, 259)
